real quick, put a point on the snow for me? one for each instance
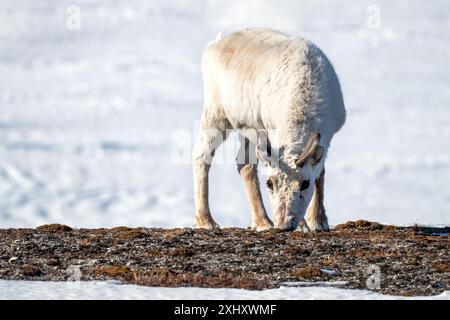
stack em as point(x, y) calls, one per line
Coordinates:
point(112, 290)
point(92, 120)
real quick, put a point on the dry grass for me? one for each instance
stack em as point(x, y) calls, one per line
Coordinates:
point(360, 224)
point(163, 277)
point(171, 252)
point(307, 273)
point(221, 280)
point(54, 228)
point(413, 261)
point(131, 234)
point(441, 267)
point(115, 272)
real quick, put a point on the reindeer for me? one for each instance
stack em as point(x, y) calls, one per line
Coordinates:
point(283, 97)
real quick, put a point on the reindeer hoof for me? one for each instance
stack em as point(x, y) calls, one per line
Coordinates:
point(303, 227)
point(209, 224)
point(263, 227)
point(318, 225)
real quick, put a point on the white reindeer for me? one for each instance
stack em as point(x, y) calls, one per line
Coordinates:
point(260, 80)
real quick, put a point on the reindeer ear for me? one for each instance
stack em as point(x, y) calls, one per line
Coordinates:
point(311, 148)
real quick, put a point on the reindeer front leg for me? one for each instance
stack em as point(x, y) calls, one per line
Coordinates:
point(248, 169)
point(317, 218)
point(203, 218)
point(249, 175)
point(209, 140)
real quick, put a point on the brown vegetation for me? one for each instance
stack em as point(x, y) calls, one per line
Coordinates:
point(413, 261)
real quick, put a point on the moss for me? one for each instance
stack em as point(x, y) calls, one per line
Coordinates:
point(115, 272)
point(166, 278)
point(347, 225)
point(441, 267)
point(20, 233)
point(99, 231)
point(391, 228)
point(53, 262)
point(131, 234)
point(55, 227)
point(295, 235)
point(181, 252)
point(177, 232)
point(360, 224)
point(234, 258)
point(173, 252)
point(298, 251)
point(121, 229)
point(331, 262)
point(273, 237)
point(85, 242)
point(307, 273)
point(31, 271)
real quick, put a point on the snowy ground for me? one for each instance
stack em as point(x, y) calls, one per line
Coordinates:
point(89, 118)
point(113, 290)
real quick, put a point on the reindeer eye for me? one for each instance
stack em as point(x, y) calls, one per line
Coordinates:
point(269, 184)
point(305, 185)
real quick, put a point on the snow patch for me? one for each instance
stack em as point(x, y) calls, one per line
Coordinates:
point(113, 290)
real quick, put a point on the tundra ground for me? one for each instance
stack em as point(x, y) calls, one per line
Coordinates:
point(411, 260)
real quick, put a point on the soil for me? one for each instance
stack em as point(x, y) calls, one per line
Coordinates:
point(410, 260)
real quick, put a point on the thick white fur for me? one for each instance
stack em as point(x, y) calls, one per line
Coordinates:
point(265, 80)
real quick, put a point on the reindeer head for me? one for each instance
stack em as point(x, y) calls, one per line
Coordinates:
point(291, 180)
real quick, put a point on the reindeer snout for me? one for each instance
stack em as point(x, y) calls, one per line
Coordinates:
point(289, 223)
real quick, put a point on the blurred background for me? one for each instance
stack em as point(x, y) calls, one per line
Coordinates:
point(94, 96)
